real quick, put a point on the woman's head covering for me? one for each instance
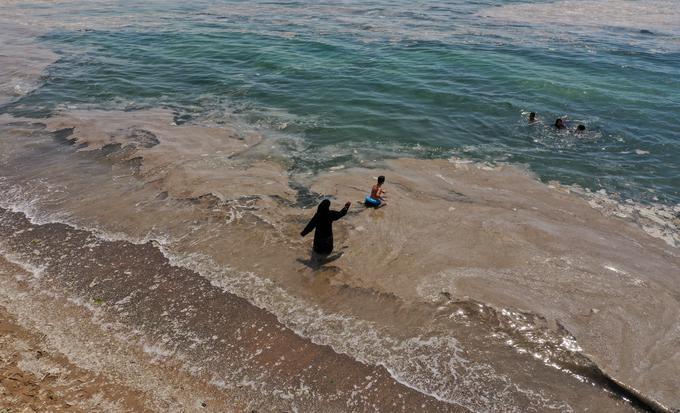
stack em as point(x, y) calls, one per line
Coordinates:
point(324, 207)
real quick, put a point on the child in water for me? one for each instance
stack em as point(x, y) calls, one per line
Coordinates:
point(377, 197)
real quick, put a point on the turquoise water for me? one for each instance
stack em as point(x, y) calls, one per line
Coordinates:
point(392, 78)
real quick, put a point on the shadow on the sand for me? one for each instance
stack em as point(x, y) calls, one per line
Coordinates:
point(318, 261)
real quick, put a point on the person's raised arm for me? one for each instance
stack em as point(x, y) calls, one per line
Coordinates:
point(310, 226)
point(336, 215)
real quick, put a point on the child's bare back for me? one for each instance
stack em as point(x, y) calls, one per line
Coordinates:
point(377, 192)
point(377, 197)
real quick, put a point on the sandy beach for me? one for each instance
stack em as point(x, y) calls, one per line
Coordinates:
point(35, 377)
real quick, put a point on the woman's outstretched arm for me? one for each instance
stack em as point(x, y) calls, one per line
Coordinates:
point(336, 215)
point(310, 226)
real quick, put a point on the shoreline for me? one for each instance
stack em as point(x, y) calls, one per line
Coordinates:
point(244, 337)
point(36, 377)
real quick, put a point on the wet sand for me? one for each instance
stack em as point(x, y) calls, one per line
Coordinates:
point(34, 377)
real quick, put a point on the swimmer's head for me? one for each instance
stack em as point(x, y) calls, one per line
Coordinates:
point(532, 116)
point(381, 180)
point(580, 128)
point(559, 124)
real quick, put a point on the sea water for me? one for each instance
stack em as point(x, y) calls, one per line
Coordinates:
point(349, 82)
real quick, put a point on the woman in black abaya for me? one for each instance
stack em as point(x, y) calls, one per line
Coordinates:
point(323, 222)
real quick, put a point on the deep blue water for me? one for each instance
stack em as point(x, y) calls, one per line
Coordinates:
point(357, 79)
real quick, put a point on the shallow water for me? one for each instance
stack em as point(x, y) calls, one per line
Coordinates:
point(210, 129)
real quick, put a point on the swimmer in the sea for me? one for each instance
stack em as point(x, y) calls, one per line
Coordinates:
point(580, 129)
point(377, 197)
point(323, 223)
point(532, 117)
point(559, 123)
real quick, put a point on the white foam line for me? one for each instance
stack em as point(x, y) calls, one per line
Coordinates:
point(657, 220)
point(614, 269)
point(366, 342)
point(35, 271)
